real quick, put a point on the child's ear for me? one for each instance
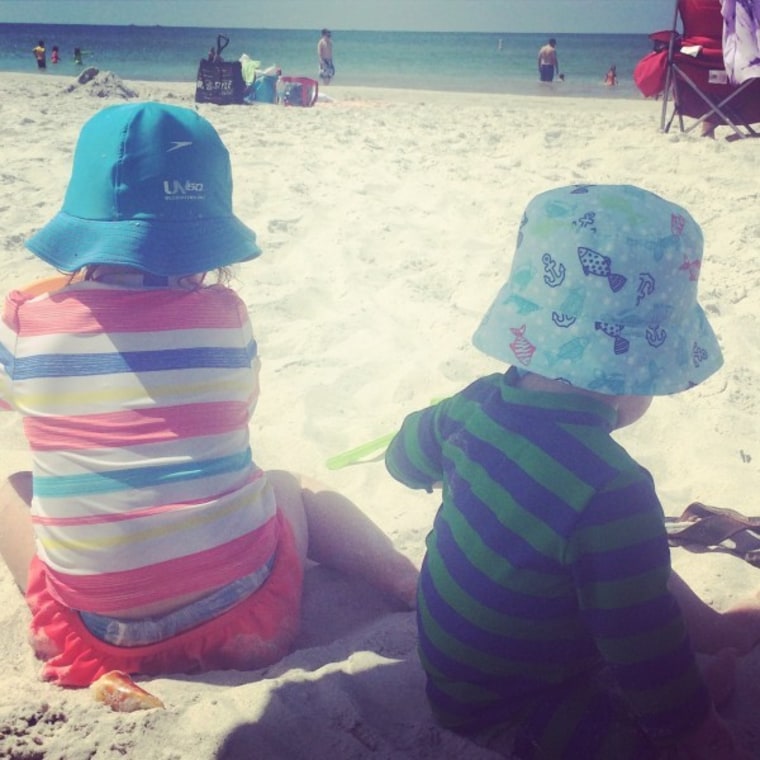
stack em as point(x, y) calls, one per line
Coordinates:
point(631, 408)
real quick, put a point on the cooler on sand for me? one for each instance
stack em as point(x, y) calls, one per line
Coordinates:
point(298, 91)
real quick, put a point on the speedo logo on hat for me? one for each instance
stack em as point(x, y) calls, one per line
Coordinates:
point(177, 144)
point(182, 190)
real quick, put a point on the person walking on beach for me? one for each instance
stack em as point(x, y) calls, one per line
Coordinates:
point(325, 55)
point(546, 597)
point(39, 54)
point(146, 538)
point(548, 63)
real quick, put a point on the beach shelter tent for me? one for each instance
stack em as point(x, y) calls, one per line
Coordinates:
point(696, 84)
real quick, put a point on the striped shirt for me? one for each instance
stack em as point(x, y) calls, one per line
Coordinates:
point(136, 404)
point(547, 555)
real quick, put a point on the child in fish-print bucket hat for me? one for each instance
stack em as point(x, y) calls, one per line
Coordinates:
point(603, 294)
point(546, 597)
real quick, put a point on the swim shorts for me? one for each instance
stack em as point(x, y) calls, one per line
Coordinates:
point(326, 69)
point(547, 72)
point(256, 632)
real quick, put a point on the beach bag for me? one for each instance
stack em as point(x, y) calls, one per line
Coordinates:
point(650, 73)
point(220, 82)
point(298, 91)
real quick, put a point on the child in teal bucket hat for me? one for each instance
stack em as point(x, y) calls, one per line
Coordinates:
point(146, 538)
point(546, 599)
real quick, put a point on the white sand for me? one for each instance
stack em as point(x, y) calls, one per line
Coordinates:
point(387, 220)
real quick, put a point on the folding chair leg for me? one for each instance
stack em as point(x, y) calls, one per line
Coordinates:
point(714, 109)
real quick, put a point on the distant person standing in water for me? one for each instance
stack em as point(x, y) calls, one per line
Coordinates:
point(325, 53)
point(54, 55)
point(39, 54)
point(78, 56)
point(548, 62)
point(610, 78)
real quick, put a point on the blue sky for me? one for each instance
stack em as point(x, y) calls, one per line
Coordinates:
point(551, 16)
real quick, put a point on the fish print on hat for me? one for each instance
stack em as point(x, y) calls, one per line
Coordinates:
point(601, 266)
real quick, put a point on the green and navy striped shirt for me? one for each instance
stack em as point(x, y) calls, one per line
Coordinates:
point(548, 555)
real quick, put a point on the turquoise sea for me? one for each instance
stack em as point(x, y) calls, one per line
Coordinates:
point(478, 62)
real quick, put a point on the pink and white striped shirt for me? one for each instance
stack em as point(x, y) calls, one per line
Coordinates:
point(136, 405)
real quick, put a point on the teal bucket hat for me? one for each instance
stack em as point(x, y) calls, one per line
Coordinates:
point(603, 294)
point(150, 188)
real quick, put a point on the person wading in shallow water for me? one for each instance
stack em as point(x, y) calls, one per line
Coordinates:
point(548, 63)
point(39, 54)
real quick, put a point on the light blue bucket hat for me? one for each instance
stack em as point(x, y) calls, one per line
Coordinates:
point(603, 294)
point(151, 188)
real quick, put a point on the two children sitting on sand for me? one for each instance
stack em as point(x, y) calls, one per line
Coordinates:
point(147, 539)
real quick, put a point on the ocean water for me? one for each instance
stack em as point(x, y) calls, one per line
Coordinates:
point(476, 62)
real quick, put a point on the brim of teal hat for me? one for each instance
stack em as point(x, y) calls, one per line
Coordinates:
point(163, 248)
point(581, 354)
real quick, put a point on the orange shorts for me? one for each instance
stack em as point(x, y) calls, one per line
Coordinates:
point(254, 633)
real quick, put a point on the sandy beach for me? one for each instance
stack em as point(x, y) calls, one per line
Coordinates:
point(388, 220)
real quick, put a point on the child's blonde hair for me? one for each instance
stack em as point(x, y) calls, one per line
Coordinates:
point(188, 281)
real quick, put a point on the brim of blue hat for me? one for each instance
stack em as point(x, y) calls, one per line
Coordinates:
point(159, 247)
point(639, 372)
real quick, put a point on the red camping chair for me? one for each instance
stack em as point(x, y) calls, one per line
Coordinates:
point(696, 84)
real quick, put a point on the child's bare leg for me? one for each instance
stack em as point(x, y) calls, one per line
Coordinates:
point(709, 630)
point(341, 536)
point(745, 616)
point(16, 532)
point(287, 490)
point(719, 673)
